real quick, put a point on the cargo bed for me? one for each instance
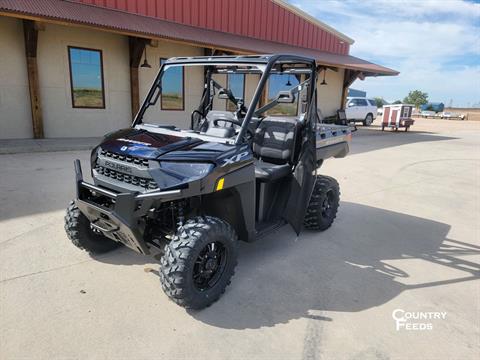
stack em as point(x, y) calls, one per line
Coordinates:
point(332, 141)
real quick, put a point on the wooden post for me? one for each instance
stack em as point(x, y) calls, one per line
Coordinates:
point(209, 51)
point(348, 78)
point(136, 49)
point(31, 39)
point(263, 100)
point(264, 97)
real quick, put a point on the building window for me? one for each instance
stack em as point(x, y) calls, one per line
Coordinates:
point(282, 82)
point(86, 78)
point(236, 84)
point(172, 88)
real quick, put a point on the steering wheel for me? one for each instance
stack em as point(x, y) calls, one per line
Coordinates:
point(235, 122)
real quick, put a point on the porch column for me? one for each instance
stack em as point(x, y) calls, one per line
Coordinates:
point(30, 33)
point(348, 78)
point(136, 49)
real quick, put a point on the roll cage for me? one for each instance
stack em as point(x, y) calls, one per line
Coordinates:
point(265, 65)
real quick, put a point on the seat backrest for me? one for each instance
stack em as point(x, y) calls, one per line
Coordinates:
point(274, 139)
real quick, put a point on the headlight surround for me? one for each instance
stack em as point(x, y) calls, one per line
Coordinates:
point(186, 170)
point(94, 157)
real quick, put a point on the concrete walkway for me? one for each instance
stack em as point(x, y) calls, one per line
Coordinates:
point(16, 146)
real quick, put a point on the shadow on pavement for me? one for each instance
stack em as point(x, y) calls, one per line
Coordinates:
point(345, 268)
point(371, 138)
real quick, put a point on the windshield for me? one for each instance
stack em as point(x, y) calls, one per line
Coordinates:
point(207, 96)
point(182, 88)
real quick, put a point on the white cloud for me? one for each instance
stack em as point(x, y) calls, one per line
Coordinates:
point(460, 86)
point(426, 40)
point(425, 8)
point(434, 44)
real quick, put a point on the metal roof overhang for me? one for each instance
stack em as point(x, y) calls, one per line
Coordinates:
point(67, 13)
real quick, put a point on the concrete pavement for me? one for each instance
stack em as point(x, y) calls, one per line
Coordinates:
point(17, 146)
point(406, 237)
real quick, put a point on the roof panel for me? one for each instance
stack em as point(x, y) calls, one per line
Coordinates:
point(137, 25)
point(221, 10)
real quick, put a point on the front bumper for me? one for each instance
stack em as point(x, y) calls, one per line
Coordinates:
point(122, 220)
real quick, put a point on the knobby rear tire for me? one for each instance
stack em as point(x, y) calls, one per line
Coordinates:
point(317, 217)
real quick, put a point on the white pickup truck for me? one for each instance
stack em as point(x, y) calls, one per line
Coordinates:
point(360, 109)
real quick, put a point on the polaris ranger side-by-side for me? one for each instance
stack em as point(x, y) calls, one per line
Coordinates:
point(229, 176)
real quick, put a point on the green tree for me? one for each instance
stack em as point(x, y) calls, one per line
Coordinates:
point(397, 102)
point(416, 97)
point(379, 101)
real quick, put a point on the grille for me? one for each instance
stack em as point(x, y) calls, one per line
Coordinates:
point(145, 183)
point(127, 158)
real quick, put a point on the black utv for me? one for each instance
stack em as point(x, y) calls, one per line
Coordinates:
point(237, 170)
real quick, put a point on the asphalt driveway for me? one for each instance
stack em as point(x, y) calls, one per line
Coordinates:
point(406, 239)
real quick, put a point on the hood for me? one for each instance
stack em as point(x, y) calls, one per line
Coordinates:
point(144, 144)
point(149, 145)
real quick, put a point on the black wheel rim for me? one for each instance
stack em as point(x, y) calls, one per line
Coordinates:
point(327, 204)
point(209, 266)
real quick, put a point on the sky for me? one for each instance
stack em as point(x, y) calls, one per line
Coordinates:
point(86, 69)
point(435, 44)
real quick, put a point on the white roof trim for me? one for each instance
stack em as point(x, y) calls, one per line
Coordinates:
point(313, 20)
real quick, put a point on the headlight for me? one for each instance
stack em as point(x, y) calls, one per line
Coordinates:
point(182, 170)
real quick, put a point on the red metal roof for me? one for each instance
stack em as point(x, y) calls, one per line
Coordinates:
point(138, 25)
point(259, 19)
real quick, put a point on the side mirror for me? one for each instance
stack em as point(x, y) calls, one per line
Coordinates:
point(285, 97)
point(350, 104)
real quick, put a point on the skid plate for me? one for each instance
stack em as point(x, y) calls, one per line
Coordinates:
point(112, 226)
